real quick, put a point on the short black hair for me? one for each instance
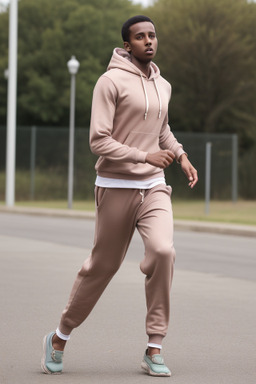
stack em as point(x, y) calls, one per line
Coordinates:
point(130, 22)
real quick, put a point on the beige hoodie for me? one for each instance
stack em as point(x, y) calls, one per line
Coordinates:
point(129, 119)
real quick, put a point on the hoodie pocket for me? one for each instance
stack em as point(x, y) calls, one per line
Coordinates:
point(147, 142)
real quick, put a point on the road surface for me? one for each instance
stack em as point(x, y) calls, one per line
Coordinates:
point(212, 329)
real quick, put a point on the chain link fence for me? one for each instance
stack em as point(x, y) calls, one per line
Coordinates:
point(42, 165)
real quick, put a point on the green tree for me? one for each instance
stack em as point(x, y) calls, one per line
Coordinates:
point(50, 32)
point(207, 52)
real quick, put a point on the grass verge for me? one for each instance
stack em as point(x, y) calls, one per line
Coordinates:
point(241, 212)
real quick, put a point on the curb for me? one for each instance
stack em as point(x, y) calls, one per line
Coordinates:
point(186, 225)
point(217, 228)
point(49, 212)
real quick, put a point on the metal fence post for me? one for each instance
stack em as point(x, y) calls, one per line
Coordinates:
point(32, 162)
point(234, 168)
point(208, 177)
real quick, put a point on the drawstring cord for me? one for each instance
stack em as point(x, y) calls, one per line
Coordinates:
point(146, 98)
point(159, 98)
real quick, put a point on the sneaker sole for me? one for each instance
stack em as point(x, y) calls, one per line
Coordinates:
point(146, 368)
point(43, 366)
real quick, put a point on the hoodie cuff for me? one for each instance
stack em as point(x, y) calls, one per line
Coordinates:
point(178, 155)
point(141, 157)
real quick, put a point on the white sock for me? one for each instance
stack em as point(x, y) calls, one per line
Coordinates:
point(61, 336)
point(153, 345)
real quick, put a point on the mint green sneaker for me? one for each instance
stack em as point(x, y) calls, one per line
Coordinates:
point(52, 360)
point(154, 365)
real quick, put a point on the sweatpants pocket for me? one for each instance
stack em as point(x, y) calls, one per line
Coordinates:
point(169, 189)
point(99, 195)
point(162, 188)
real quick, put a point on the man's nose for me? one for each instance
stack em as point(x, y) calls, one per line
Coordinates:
point(148, 41)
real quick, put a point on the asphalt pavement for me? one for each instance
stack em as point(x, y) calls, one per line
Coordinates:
point(212, 329)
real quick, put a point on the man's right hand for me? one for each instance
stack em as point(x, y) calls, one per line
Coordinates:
point(161, 159)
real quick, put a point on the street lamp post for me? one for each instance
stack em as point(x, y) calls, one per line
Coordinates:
point(73, 66)
point(11, 74)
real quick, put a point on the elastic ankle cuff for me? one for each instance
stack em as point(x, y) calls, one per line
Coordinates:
point(155, 339)
point(61, 335)
point(153, 345)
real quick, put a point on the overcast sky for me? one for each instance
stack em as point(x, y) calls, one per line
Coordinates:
point(143, 2)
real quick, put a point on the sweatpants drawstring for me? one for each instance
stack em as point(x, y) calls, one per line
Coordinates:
point(142, 192)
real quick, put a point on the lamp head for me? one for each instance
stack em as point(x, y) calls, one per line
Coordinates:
point(73, 65)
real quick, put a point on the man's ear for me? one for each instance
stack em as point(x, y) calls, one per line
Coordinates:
point(127, 46)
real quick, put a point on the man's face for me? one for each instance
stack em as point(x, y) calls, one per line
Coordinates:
point(143, 42)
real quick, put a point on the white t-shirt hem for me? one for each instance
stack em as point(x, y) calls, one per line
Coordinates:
point(106, 182)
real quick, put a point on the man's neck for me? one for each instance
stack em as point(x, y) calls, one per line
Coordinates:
point(143, 67)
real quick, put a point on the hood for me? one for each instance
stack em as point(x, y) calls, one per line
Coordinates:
point(121, 60)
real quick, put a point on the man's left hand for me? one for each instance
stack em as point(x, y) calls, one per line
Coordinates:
point(189, 170)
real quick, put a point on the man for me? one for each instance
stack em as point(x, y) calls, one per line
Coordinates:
point(130, 134)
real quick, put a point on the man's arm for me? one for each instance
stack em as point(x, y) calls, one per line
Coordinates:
point(189, 170)
point(101, 127)
point(164, 158)
point(167, 140)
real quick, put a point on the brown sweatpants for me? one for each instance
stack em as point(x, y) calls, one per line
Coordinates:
point(119, 212)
